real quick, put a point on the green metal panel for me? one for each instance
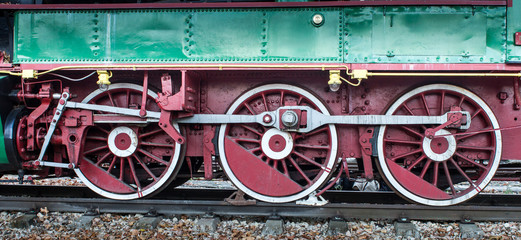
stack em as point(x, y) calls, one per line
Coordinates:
point(3, 154)
point(425, 34)
point(178, 35)
point(513, 26)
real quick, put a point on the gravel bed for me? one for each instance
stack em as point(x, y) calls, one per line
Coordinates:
point(51, 225)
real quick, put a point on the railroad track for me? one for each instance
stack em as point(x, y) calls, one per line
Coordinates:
point(354, 205)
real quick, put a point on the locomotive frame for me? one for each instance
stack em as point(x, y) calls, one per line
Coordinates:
point(310, 87)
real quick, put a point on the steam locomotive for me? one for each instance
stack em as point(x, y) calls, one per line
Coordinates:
point(279, 97)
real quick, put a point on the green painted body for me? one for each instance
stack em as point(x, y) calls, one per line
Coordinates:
point(224, 35)
point(513, 52)
point(425, 35)
point(3, 154)
point(383, 34)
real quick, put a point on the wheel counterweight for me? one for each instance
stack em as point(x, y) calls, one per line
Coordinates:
point(130, 161)
point(273, 165)
point(447, 169)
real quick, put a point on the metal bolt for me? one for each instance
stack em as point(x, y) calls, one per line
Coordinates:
point(289, 118)
point(318, 19)
point(266, 118)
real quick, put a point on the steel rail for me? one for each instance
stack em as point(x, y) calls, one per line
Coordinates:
point(221, 208)
point(485, 207)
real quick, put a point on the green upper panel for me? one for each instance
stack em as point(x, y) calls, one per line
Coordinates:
point(513, 26)
point(192, 35)
point(425, 34)
point(384, 34)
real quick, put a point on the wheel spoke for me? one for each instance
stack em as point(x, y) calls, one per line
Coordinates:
point(152, 156)
point(416, 162)
point(442, 103)
point(461, 137)
point(248, 140)
point(134, 176)
point(162, 145)
point(251, 129)
point(471, 161)
point(144, 135)
point(96, 138)
point(476, 113)
point(109, 94)
point(265, 102)
point(285, 167)
point(308, 159)
point(409, 142)
point(282, 98)
point(406, 154)
point(461, 101)
point(299, 170)
point(249, 108)
point(449, 179)
point(477, 148)
point(425, 168)
point(103, 158)
point(314, 132)
point(407, 109)
point(128, 98)
point(146, 168)
point(410, 130)
point(461, 171)
point(112, 163)
point(96, 149)
point(122, 168)
point(320, 147)
point(435, 173)
point(425, 104)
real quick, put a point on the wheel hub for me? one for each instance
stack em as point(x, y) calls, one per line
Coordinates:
point(122, 141)
point(277, 144)
point(439, 148)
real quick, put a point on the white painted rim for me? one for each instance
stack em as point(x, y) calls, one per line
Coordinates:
point(432, 202)
point(439, 157)
point(322, 179)
point(165, 179)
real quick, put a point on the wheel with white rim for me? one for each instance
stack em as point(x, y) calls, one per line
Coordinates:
point(450, 167)
point(273, 165)
point(127, 161)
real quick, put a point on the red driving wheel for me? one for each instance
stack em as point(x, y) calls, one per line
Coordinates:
point(127, 161)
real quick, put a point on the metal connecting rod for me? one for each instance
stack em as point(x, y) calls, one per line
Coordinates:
point(292, 118)
point(309, 119)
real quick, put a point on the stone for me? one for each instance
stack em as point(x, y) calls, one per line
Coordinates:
point(273, 226)
point(470, 230)
point(336, 226)
point(406, 229)
point(85, 221)
point(23, 221)
point(208, 224)
point(147, 222)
